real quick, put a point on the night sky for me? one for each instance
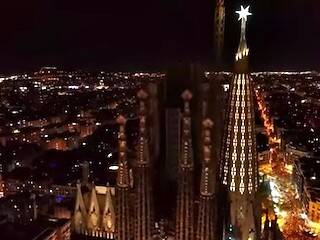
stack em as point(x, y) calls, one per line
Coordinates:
point(283, 34)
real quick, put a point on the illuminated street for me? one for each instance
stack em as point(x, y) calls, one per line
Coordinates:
point(286, 204)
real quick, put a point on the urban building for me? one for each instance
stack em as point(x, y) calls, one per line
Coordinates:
point(44, 229)
point(306, 177)
point(20, 208)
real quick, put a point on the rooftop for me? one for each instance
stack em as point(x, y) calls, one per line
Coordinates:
point(310, 168)
point(35, 230)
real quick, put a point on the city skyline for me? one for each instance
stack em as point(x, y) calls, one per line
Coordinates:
point(160, 129)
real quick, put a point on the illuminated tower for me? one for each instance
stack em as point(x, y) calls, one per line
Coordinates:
point(238, 171)
point(143, 182)
point(184, 215)
point(205, 224)
point(123, 187)
point(219, 29)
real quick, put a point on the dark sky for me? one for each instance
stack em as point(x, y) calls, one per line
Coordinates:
point(109, 33)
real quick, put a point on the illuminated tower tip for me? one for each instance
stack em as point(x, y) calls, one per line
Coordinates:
point(241, 58)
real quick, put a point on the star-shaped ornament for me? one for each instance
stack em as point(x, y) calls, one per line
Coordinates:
point(244, 13)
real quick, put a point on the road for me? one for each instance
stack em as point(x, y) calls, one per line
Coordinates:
point(287, 207)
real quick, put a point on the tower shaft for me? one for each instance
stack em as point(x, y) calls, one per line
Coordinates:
point(123, 222)
point(184, 218)
point(238, 169)
point(205, 225)
point(184, 215)
point(144, 216)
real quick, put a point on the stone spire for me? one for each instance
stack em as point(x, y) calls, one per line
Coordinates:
point(238, 170)
point(123, 223)
point(143, 151)
point(184, 215)
point(205, 224)
point(143, 180)
point(207, 176)
point(186, 150)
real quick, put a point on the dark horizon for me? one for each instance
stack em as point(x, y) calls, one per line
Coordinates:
point(282, 35)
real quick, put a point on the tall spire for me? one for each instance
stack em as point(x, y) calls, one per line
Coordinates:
point(123, 222)
point(184, 215)
point(143, 153)
point(238, 170)
point(207, 177)
point(143, 181)
point(205, 224)
point(219, 30)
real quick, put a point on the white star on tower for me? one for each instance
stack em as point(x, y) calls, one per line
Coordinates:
point(244, 13)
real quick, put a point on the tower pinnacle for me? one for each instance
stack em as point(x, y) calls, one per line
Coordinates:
point(241, 58)
point(143, 154)
point(123, 222)
point(186, 96)
point(207, 178)
point(187, 158)
point(123, 171)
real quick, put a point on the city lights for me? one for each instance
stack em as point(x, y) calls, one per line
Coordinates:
point(155, 121)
